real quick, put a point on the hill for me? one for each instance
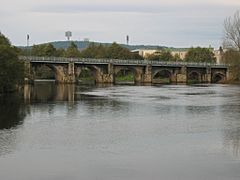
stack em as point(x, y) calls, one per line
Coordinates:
point(84, 44)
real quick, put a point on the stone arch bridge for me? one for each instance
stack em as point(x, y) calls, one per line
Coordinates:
point(104, 70)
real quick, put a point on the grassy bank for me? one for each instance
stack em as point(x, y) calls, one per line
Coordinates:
point(127, 78)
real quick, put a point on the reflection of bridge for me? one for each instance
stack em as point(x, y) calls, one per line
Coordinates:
point(105, 70)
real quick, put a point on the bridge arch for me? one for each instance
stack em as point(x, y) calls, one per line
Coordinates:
point(194, 77)
point(125, 74)
point(87, 73)
point(218, 77)
point(162, 76)
point(44, 71)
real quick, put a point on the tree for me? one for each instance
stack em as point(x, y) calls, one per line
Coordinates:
point(166, 56)
point(232, 44)
point(60, 52)
point(49, 50)
point(114, 51)
point(38, 50)
point(200, 55)
point(233, 58)
point(232, 32)
point(43, 50)
point(163, 55)
point(72, 51)
point(11, 69)
point(94, 51)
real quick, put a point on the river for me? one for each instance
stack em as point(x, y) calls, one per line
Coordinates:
point(169, 132)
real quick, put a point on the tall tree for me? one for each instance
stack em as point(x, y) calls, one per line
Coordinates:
point(166, 56)
point(72, 51)
point(11, 69)
point(232, 44)
point(49, 50)
point(43, 50)
point(200, 55)
point(233, 58)
point(232, 31)
point(162, 55)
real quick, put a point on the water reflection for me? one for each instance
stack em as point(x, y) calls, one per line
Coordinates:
point(12, 111)
point(45, 92)
point(164, 131)
point(232, 140)
point(12, 114)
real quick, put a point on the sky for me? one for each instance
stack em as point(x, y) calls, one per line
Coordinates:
point(173, 23)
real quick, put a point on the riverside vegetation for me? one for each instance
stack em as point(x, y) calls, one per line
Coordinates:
point(11, 70)
point(232, 44)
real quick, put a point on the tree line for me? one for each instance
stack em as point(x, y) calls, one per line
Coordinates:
point(114, 51)
point(197, 54)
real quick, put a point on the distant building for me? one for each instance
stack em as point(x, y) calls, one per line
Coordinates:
point(219, 55)
point(181, 53)
point(146, 52)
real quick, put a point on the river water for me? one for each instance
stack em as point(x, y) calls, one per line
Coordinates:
point(169, 132)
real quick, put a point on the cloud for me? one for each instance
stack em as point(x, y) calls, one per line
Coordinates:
point(124, 8)
point(167, 22)
point(83, 8)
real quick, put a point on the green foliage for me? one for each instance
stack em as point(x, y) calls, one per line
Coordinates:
point(153, 57)
point(97, 51)
point(177, 57)
point(233, 58)
point(44, 72)
point(163, 55)
point(127, 78)
point(200, 55)
point(232, 43)
point(4, 40)
point(114, 51)
point(94, 51)
point(72, 51)
point(166, 56)
point(11, 70)
point(43, 50)
point(50, 50)
point(60, 52)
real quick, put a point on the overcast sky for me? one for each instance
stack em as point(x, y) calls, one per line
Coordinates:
point(177, 23)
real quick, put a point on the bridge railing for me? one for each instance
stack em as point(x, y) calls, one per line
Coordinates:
point(116, 61)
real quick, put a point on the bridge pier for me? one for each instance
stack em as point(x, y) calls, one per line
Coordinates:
point(208, 75)
point(65, 73)
point(27, 72)
point(105, 77)
point(182, 75)
point(138, 78)
point(147, 76)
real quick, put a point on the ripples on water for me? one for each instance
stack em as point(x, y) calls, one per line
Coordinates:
point(121, 132)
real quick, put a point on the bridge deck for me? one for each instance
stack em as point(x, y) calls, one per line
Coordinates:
point(62, 60)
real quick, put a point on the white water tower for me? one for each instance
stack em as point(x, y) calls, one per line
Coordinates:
point(68, 34)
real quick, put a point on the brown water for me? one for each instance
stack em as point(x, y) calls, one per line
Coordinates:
point(121, 133)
